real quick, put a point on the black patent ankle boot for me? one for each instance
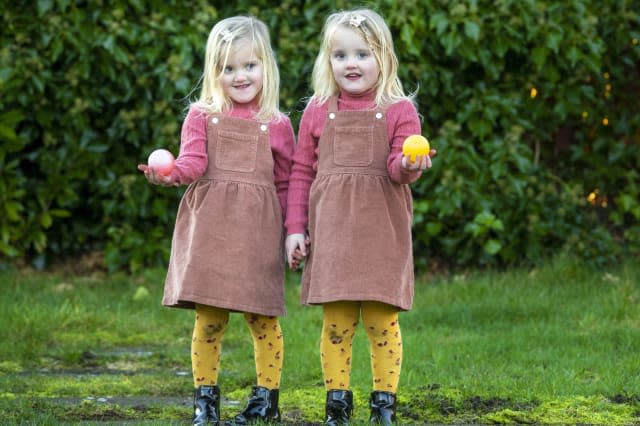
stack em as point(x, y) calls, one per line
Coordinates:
point(383, 408)
point(262, 405)
point(339, 407)
point(206, 405)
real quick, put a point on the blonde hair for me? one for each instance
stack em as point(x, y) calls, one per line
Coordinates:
point(222, 36)
point(375, 32)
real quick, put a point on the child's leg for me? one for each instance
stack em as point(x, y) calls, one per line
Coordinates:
point(381, 323)
point(340, 320)
point(268, 346)
point(206, 344)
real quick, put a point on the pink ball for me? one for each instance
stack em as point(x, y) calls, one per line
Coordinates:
point(161, 161)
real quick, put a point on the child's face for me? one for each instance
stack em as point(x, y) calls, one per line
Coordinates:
point(354, 66)
point(242, 76)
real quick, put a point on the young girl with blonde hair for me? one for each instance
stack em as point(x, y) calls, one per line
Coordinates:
point(227, 248)
point(350, 206)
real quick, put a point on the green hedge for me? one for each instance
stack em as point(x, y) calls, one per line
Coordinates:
point(533, 107)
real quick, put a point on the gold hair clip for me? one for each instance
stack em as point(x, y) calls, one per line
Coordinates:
point(226, 35)
point(356, 20)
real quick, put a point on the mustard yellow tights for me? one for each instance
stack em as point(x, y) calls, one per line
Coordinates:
point(381, 324)
point(206, 346)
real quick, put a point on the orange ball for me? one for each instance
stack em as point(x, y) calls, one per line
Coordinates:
point(415, 145)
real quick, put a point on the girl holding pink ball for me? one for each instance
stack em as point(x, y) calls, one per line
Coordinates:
point(227, 252)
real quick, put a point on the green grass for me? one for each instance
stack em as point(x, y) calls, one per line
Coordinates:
point(555, 345)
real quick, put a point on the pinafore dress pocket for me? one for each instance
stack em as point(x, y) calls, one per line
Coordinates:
point(353, 146)
point(236, 151)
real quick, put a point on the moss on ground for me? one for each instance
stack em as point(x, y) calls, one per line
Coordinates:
point(45, 405)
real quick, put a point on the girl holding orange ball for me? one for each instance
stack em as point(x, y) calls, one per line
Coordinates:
point(350, 207)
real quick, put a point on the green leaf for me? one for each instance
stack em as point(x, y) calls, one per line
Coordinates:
point(626, 202)
point(472, 30)
point(120, 55)
point(7, 133)
point(12, 117)
point(38, 83)
point(8, 250)
point(553, 41)
point(439, 22)
point(498, 169)
point(407, 36)
point(434, 228)
point(479, 127)
point(60, 213)
point(539, 56)
point(12, 209)
point(450, 42)
point(492, 247)
point(8, 121)
point(574, 55)
point(56, 49)
point(474, 229)
point(46, 220)
point(44, 6)
point(497, 225)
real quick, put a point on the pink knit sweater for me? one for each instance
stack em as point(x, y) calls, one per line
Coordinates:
point(192, 161)
point(402, 121)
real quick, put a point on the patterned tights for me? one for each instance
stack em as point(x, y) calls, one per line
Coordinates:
point(381, 324)
point(206, 346)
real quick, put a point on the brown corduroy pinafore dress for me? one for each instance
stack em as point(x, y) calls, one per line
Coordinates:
point(227, 249)
point(359, 219)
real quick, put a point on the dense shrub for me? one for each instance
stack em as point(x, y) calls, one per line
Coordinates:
point(531, 105)
point(534, 107)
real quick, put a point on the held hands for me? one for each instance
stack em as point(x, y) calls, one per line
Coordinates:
point(296, 247)
point(156, 178)
point(422, 161)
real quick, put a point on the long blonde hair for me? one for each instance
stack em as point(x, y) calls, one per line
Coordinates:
point(222, 36)
point(376, 34)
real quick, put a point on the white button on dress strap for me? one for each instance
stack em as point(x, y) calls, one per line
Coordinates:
point(332, 116)
point(263, 127)
point(214, 120)
point(378, 115)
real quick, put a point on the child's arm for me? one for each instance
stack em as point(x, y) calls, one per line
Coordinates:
point(403, 121)
point(282, 142)
point(192, 160)
point(303, 171)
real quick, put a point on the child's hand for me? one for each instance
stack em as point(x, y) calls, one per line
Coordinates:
point(156, 178)
point(297, 259)
point(422, 161)
point(296, 248)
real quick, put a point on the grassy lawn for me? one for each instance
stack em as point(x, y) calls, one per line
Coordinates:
point(555, 345)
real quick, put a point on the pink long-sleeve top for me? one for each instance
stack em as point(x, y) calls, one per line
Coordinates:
point(402, 121)
point(193, 159)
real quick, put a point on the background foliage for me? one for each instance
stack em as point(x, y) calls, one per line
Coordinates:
point(532, 106)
